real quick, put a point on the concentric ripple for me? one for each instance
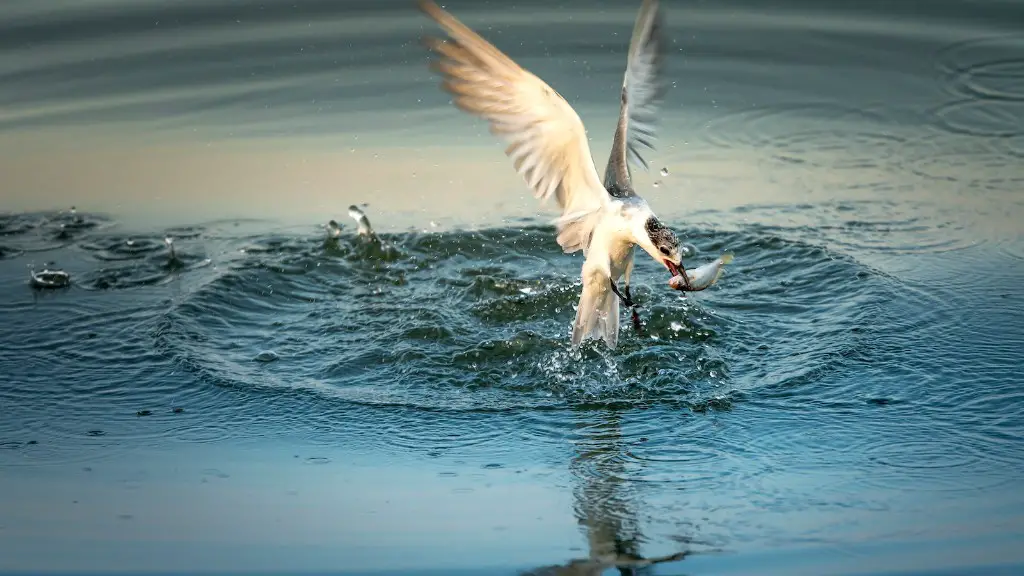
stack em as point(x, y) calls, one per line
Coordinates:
point(1001, 119)
point(816, 134)
point(434, 343)
point(977, 169)
point(989, 68)
point(986, 76)
point(943, 460)
point(479, 321)
point(896, 227)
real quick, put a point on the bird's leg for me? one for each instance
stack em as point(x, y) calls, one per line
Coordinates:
point(636, 316)
point(628, 301)
point(629, 297)
point(625, 281)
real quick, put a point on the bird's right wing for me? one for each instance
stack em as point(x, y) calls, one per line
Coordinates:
point(547, 141)
point(642, 89)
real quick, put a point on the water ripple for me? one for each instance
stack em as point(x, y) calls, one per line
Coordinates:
point(940, 459)
point(41, 231)
point(986, 77)
point(823, 135)
point(498, 343)
point(859, 359)
point(985, 118)
point(990, 68)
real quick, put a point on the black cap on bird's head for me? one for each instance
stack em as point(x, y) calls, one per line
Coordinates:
point(664, 246)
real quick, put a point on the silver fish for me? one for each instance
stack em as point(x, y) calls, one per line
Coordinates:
point(333, 230)
point(169, 242)
point(701, 277)
point(359, 216)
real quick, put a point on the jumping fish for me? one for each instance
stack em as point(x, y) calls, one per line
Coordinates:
point(357, 214)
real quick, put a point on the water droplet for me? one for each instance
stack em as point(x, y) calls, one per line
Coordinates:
point(657, 183)
point(664, 171)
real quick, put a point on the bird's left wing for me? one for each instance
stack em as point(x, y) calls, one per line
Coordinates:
point(547, 141)
point(642, 91)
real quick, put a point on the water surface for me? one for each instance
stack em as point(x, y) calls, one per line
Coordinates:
point(847, 400)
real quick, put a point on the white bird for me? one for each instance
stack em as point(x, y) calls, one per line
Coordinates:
point(548, 147)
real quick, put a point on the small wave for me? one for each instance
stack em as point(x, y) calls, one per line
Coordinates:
point(42, 231)
point(1015, 145)
point(8, 252)
point(122, 247)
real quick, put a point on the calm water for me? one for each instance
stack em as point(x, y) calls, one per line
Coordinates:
point(849, 399)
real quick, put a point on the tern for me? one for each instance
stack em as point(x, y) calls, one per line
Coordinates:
point(548, 146)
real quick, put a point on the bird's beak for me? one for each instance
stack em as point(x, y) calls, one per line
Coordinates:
point(672, 268)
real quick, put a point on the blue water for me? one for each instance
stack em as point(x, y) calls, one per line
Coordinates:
point(848, 399)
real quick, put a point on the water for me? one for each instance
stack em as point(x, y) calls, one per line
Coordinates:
point(846, 400)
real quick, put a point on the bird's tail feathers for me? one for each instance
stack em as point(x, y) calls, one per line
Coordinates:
point(597, 315)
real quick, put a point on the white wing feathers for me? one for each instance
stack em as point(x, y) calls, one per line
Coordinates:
point(642, 81)
point(547, 141)
point(642, 90)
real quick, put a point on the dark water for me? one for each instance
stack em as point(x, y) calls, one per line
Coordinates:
point(848, 399)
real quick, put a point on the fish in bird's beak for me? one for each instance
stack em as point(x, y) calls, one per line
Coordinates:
point(677, 272)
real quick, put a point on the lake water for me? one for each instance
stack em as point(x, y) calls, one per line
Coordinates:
point(848, 399)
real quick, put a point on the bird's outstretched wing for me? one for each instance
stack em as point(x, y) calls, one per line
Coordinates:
point(547, 141)
point(642, 91)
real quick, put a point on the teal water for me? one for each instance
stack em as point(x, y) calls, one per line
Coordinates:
point(848, 399)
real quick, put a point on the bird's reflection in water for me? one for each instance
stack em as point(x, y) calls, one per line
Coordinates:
point(606, 503)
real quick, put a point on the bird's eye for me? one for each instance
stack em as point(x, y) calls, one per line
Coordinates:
point(664, 250)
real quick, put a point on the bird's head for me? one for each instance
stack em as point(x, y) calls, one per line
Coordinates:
point(662, 244)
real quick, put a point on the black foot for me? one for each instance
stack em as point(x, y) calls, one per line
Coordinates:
point(627, 301)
